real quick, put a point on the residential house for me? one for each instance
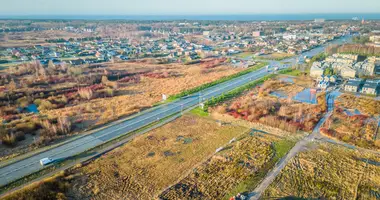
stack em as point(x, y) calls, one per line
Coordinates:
point(347, 72)
point(77, 62)
point(316, 70)
point(353, 85)
point(370, 87)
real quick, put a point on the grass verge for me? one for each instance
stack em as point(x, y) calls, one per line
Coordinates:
point(222, 80)
point(199, 112)
point(235, 92)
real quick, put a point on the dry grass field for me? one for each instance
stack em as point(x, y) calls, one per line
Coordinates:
point(135, 97)
point(329, 172)
point(260, 105)
point(84, 100)
point(175, 161)
point(236, 169)
point(354, 121)
point(367, 106)
point(150, 163)
point(22, 39)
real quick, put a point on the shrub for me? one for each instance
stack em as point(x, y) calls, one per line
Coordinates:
point(85, 93)
point(26, 127)
point(46, 105)
point(9, 140)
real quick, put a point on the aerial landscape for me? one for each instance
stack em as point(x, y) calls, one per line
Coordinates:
point(193, 100)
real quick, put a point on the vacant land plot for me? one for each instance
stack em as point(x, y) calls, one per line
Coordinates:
point(367, 106)
point(353, 122)
point(272, 104)
point(329, 172)
point(149, 90)
point(152, 162)
point(89, 96)
point(145, 166)
point(277, 56)
point(236, 169)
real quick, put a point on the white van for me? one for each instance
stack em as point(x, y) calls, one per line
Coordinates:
point(46, 161)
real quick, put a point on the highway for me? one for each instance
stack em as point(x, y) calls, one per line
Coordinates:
point(29, 165)
point(16, 170)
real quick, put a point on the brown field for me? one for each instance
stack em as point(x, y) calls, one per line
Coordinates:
point(367, 106)
point(135, 97)
point(259, 106)
point(96, 103)
point(148, 164)
point(182, 151)
point(277, 56)
point(22, 39)
point(355, 128)
point(329, 172)
point(237, 169)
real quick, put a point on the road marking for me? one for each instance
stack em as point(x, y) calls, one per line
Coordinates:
point(254, 75)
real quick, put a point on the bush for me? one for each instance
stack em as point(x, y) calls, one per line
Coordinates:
point(26, 127)
point(46, 105)
point(9, 140)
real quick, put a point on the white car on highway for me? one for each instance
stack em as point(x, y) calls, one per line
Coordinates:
point(46, 161)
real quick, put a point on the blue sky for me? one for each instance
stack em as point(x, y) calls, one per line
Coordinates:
point(184, 7)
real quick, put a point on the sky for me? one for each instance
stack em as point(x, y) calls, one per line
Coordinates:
point(184, 7)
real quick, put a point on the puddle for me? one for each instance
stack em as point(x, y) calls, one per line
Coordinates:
point(352, 113)
point(306, 96)
point(32, 108)
point(287, 80)
point(279, 94)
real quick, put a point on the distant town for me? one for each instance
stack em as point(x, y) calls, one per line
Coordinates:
point(189, 109)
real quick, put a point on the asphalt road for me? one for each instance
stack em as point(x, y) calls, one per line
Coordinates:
point(23, 167)
point(29, 165)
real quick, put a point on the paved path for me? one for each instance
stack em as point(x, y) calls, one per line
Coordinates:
point(284, 161)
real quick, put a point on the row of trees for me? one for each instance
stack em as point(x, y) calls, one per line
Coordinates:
point(360, 49)
point(62, 40)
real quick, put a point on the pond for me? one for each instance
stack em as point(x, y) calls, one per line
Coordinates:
point(32, 108)
point(355, 112)
point(287, 80)
point(279, 94)
point(306, 96)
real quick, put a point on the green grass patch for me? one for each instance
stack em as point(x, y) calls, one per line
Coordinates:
point(244, 54)
point(292, 72)
point(280, 148)
point(199, 112)
point(163, 102)
point(235, 92)
point(222, 80)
